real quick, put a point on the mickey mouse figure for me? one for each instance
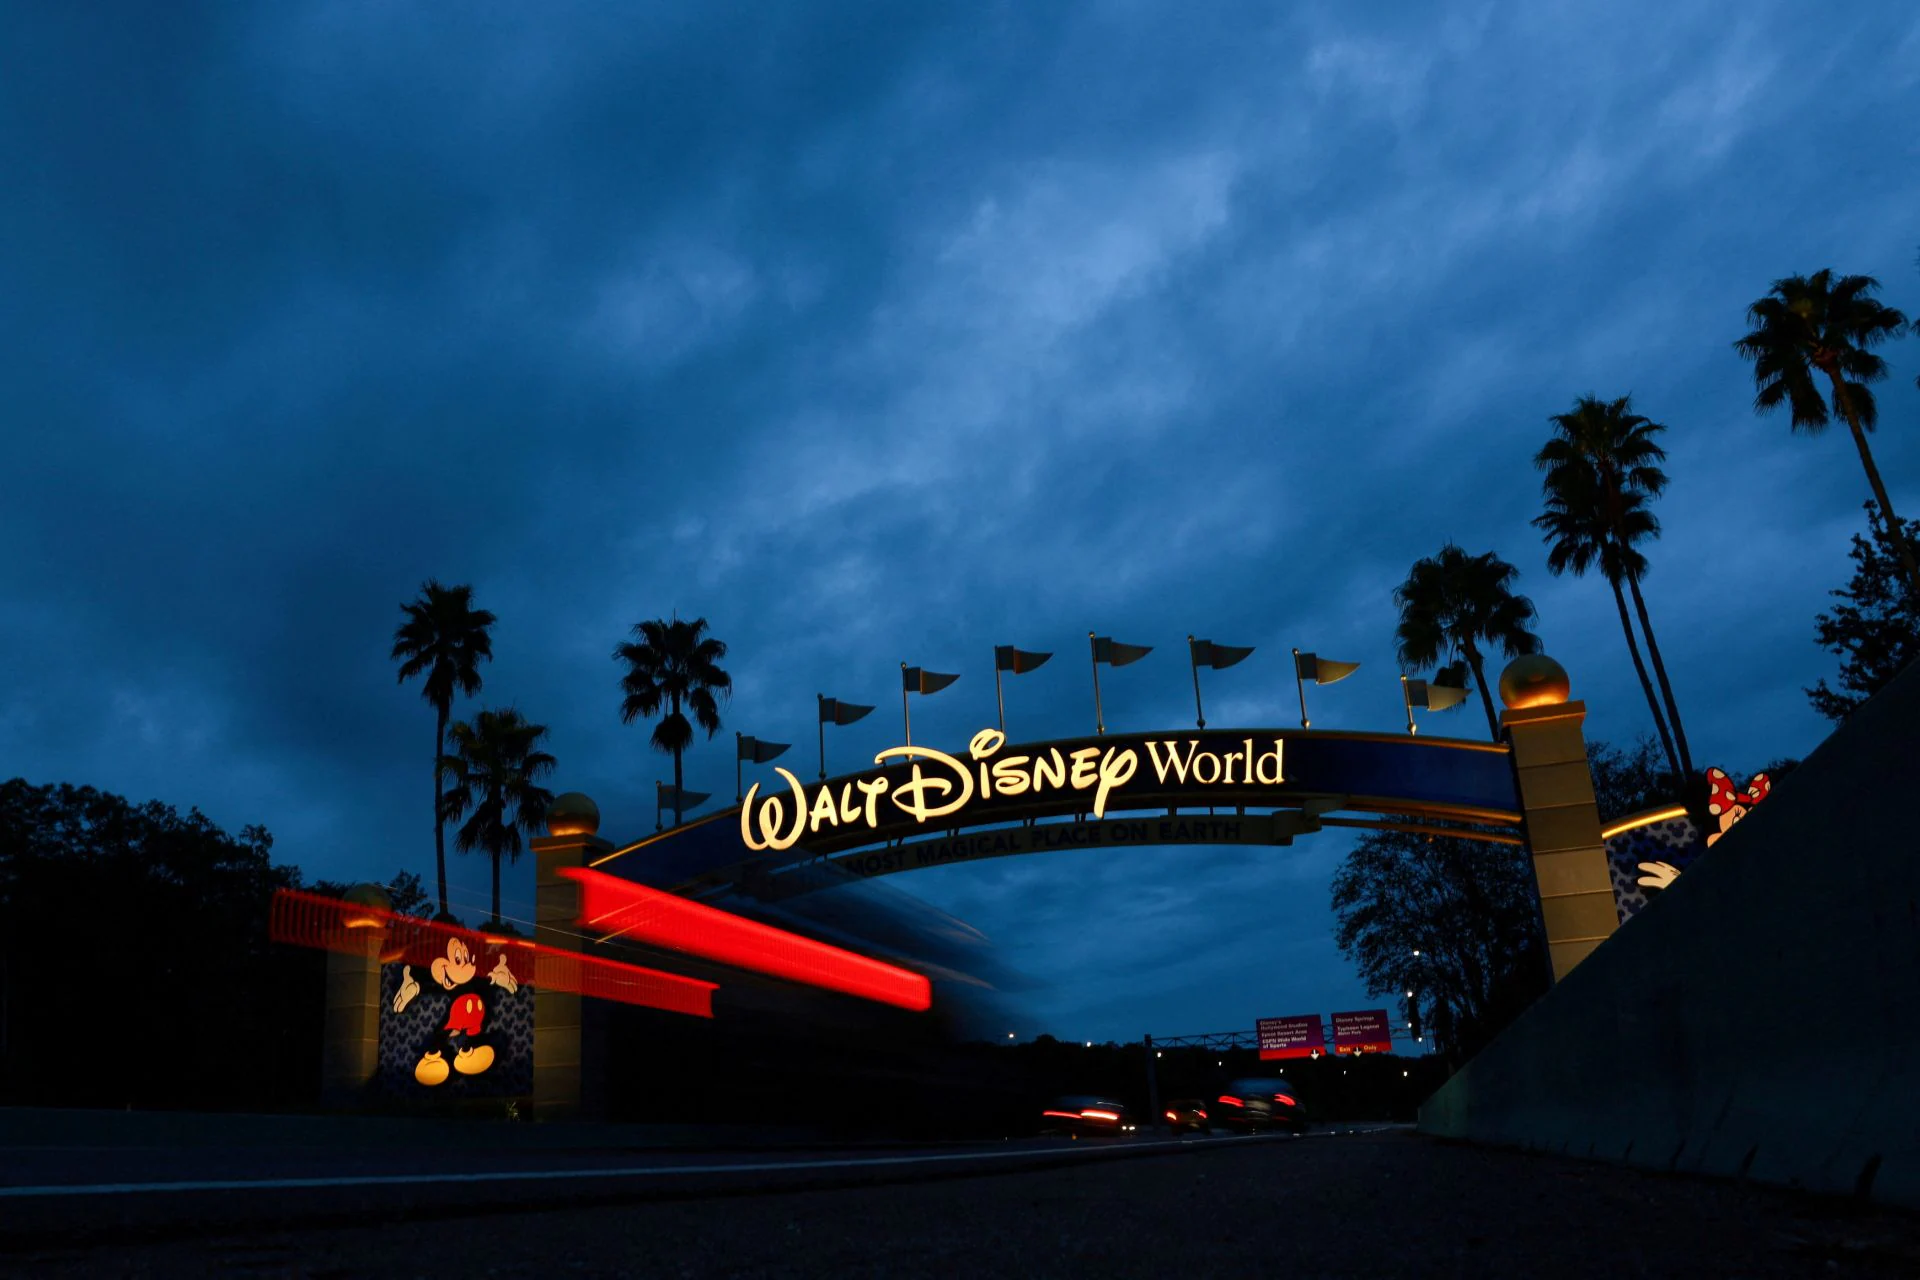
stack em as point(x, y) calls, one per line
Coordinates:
point(463, 1036)
point(1726, 805)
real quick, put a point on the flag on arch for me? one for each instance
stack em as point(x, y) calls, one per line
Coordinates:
point(1218, 656)
point(1018, 661)
point(1115, 654)
point(917, 680)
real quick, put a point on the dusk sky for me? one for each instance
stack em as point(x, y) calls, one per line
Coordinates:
point(892, 333)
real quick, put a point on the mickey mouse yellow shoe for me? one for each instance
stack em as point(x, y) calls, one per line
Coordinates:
point(471, 1062)
point(432, 1069)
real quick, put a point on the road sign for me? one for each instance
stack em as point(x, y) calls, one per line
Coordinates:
point(1299, 1036)
point(1364, 1031)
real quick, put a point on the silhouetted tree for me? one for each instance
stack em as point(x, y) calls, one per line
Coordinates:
point(1630, 780)
point(135, 968)
point(405, 892)
point(447, 638)
point(1875, 631)
point(1602, 473)
point(1470, 909)
point(1809, 324)
point(494, 769)
point(1453, 603)
point(673, 664)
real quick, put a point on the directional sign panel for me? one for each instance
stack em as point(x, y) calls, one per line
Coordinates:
point(1364, 1031)
point(1299, 1036)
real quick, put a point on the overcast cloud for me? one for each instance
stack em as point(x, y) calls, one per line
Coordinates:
point(884, 333)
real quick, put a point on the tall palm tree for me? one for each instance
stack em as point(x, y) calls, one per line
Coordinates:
point(1603, 456)
point(494, 767)
point(1452, 604)
point(1583, 528)
point(446, 637)
point(673, 664)
point(1809, 324)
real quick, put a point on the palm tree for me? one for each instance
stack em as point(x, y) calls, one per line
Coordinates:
point(494, 766)
point(1816, 323)
point(1452, 604)
point(446, 637)
point(1602, 468)
point(1583, 529)
point(673, 664)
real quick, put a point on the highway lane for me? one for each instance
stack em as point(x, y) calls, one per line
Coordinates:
point(1381, 1203)
point(52, 1191)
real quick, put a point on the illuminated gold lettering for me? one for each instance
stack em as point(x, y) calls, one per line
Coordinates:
point(984, 744)
point(1116, 770)
point(940, 784)
point(1259, 766)
point(825, 812)
point(911, 796)
point(1009, 776)
point(767, 815)
point(872, 790)
point(1173, 764)
point(1084, 773)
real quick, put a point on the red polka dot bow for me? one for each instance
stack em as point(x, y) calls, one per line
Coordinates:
point(1723, 796)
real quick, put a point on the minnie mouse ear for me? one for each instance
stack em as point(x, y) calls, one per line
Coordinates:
point(1720, 793)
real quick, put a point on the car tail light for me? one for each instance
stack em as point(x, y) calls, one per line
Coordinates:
point(1094, 1113)
point(1064, 1115)
point(1232, 1102)
point(1173, 1117)
point(1281, 1097)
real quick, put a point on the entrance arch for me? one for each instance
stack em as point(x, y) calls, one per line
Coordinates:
point(920, 807)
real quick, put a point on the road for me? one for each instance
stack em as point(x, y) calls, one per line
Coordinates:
point(1378, 1203)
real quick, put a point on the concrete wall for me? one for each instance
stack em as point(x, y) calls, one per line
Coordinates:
point(1762, 1017)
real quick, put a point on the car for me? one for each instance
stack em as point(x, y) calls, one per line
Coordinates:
point(1259, 1103)
point(1184, 1114)
point(1085, 1115)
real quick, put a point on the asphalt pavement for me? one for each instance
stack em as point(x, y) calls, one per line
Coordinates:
point(1375, 1203)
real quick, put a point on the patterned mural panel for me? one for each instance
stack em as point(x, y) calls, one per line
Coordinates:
point(1646, 859)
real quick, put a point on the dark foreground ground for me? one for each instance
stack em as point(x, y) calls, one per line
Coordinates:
point(1376, 1204)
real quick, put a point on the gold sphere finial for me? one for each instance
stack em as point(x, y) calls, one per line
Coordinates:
point(1534, 680)
point(366, 895)
point(572, 814)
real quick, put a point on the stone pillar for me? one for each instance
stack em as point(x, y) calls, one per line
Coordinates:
point(572, 820)
point(1562, 821)
point(350, 1042)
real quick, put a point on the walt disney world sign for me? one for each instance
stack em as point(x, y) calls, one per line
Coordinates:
point(915, 788)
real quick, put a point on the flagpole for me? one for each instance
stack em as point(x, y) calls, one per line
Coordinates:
point(1000, 699)
point(1099, 719)
point(1300, 688)
point(738, 789)
point(1407, 698)
point(822, 716)
point(657, 824)
point(906, 713)
point(1199, 715)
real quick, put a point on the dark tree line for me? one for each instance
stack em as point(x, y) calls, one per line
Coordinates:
point(135, 967)
point(1875, 629)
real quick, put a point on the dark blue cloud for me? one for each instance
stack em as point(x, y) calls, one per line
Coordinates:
point(890, 339)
